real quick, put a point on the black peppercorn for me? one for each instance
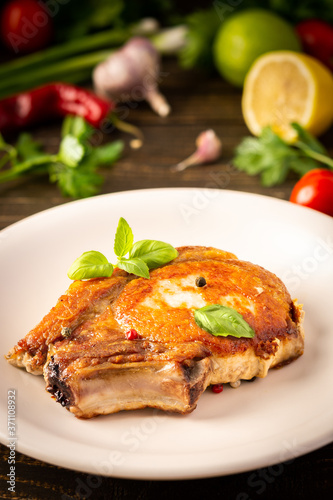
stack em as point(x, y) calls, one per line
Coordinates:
point(200, 281)
point(66, 332)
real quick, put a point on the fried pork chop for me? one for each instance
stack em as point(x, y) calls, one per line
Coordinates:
point(91, 368)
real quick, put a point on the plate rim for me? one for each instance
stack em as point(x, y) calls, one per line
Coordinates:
point(64, 205)
point(16, 225)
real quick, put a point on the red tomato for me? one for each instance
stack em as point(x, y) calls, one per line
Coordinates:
point(317, 40)
point(315, 190)
point(26, 25)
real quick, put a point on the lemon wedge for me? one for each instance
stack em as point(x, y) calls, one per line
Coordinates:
point(282, 87)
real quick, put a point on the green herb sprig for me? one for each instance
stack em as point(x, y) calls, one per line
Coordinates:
point(198, 50)
point(272, 158)
point(142, 256)
point(222, 321)
point(73, 168)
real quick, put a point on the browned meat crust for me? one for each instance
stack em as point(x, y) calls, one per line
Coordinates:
point(97, 370)
point(255, 293)
point(82, 301)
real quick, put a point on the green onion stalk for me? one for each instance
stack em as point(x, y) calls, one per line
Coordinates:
point(74, 61)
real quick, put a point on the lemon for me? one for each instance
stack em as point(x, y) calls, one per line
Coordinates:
point(246, 35)
point(283, 87)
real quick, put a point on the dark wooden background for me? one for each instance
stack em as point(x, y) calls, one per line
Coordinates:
point(198, 102)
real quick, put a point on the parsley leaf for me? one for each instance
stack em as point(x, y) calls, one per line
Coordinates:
point(80, 182)
point(272, 158)
point(77, 127)
point(73, 168)
point(71, 151)
point(107, 153)
point(308, 140)
point(27, 147)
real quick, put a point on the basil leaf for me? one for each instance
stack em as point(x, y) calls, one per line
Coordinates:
point(134, 266)
point(222, 321)
point(153, 253)
point(71, 151)
point(90, 265)
point(124, 238)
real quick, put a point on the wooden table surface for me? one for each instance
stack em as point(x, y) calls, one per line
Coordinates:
point(198, 102)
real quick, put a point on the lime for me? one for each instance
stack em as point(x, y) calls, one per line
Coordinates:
point(246, 35)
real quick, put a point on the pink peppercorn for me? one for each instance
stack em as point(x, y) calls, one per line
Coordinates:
point(132, 334)
point(217, 388)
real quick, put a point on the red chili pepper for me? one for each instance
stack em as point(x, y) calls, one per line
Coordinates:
point(54, 100)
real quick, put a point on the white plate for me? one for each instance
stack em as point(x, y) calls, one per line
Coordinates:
point(272, 420)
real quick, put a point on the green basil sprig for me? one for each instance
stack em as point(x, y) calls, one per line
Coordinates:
point(222, 321)
point(143, 255)
point(154, 253)
point(134, 266)
point(123, 240)
point(90, 264)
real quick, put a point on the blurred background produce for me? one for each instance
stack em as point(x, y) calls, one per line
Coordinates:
point(246, 35)
point(282, 87)
point(50, 41)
